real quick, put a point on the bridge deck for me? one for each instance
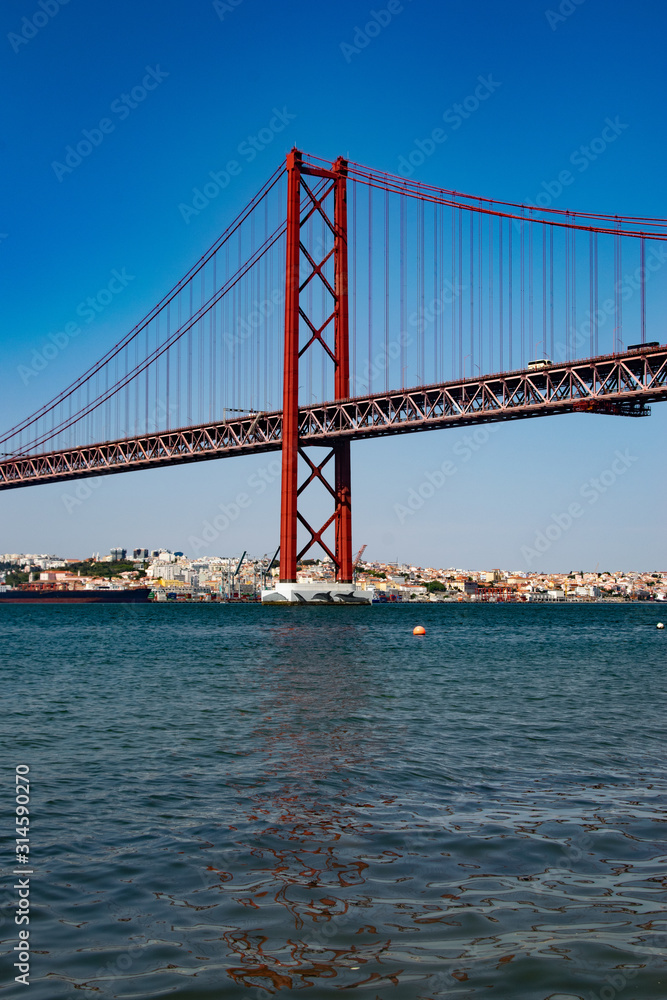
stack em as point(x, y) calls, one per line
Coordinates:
point(638, 376)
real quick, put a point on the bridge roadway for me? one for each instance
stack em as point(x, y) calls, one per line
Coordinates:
point(633, 378)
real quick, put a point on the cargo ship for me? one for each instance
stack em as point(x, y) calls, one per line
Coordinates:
point(61, 595)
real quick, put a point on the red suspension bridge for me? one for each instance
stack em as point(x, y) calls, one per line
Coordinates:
point(345, 303)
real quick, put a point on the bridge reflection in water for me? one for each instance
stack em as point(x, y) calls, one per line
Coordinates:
point(306, 899)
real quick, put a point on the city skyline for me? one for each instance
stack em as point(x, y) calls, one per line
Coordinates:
point(146, 555)
point(162, 576)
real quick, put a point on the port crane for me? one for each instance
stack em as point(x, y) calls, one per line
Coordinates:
point(357, 559)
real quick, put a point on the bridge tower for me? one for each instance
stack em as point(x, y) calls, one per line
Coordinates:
point(308, 197)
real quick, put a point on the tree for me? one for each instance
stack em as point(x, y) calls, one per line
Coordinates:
point(101, 569)
point(435, 586)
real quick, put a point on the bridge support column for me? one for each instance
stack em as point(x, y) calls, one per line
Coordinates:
point(304, 332)
point(342, 377)
point(290, 435)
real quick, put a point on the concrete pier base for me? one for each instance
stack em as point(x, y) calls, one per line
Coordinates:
point(317, 593)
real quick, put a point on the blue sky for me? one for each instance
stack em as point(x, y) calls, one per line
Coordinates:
point(219, 71)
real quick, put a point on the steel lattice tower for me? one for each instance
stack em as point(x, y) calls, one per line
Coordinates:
point(298, 322)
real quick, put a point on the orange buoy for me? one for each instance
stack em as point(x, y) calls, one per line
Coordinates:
point(419, 630)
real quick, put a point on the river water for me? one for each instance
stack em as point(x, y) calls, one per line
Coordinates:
point(239, 802)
